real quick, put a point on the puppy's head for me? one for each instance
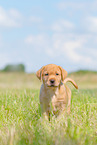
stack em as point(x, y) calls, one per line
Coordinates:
point(51, 75)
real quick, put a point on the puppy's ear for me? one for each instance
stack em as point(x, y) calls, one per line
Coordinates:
point(63, 73)
point(39, 73)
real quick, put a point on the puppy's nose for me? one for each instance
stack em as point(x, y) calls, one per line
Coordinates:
point(52, 81)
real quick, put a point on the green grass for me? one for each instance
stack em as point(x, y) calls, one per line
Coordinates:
point(21, 122)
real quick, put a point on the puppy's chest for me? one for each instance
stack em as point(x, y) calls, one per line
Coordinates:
point(58, 99)
point(58, 102)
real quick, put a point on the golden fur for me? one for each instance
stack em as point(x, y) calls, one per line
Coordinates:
point(54, 95)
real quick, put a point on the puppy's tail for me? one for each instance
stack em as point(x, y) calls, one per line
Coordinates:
point(72, 81)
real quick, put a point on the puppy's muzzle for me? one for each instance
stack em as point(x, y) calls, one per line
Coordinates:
point(52, 82)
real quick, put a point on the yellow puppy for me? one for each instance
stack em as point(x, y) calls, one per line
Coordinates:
point(54, 94)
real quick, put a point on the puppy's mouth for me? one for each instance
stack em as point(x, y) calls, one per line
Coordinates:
point(52, 86)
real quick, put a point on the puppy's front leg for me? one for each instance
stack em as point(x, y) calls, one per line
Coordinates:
point(45, 111)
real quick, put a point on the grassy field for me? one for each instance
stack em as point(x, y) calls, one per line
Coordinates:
point(20, 115)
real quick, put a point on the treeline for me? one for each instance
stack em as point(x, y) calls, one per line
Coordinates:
point(14, 68)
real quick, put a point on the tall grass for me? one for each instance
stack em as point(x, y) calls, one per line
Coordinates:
point(21, 122)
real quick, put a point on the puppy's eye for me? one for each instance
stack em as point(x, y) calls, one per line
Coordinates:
point(46, 74)
point(57, 74)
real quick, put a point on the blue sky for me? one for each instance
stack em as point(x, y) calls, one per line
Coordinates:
point(40, 32)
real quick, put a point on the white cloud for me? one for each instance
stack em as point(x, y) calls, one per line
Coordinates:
point(35, 19)
point(66, 45)
point(62, 25)
point(14, 13)
point(10, 18)
point(88, 6)
point(77, 48)
point(29, 39)
point(72, 5)
point(91, 24)
point(70, 46)
point(32, 39)
point(37, 41)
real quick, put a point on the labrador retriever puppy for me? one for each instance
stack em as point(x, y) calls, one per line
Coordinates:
point(54, 95)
